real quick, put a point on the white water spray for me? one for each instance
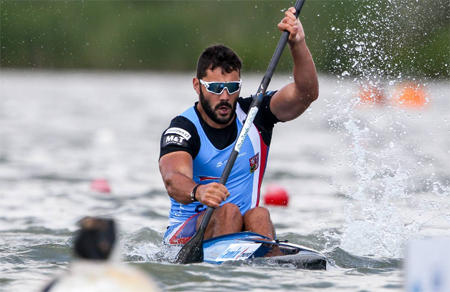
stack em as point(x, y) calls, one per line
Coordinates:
point(388, 201)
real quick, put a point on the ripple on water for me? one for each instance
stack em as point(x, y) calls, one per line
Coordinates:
point(347, 260)
point(53, 253)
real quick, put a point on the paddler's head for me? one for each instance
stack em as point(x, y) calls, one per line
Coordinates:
point(218, 84)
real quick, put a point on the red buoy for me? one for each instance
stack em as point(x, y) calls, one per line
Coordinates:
point(100, 185)
point(276, 195)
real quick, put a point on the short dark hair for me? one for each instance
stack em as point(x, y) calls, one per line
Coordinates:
point(218, 56)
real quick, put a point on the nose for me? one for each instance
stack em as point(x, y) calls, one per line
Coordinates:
point(225, 95)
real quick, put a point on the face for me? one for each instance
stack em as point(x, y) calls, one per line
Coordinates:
point(217, 110)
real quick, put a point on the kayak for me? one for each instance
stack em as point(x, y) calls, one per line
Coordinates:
point(250, 246)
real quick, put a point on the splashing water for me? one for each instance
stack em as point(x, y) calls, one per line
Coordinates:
point(147, 245)
point(390, 174)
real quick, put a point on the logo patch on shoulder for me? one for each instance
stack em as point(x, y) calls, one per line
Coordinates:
point(174, 139)
point(178, 131)
point(254, 163)
point(176, 136)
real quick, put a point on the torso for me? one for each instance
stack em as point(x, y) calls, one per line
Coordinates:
point(211, 148)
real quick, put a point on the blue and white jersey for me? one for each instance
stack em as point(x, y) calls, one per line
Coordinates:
point(244, 181)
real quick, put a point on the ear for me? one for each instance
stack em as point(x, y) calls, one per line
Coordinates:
point(196, 85)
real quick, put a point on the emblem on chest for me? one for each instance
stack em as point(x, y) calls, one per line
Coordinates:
point(254, 163)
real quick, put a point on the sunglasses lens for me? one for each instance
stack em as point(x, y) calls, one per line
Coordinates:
point(233, 87)
point(218, 87)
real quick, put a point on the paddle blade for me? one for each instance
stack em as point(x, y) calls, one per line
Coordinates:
point(192, 251)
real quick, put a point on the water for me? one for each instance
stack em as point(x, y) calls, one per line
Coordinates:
point(363, 180)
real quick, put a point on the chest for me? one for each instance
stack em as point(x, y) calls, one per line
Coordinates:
point(210, 161)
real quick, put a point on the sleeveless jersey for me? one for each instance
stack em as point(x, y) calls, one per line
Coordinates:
point(244, 181)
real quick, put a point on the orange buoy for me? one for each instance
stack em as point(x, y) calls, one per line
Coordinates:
point(100, 185)
point(276, 195)
point(410, 95)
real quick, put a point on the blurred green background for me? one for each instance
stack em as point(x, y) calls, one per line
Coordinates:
point(360, 37)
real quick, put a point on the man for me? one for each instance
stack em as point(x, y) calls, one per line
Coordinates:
point(198, 143)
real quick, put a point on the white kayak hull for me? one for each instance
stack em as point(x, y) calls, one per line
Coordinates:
point(248, 246)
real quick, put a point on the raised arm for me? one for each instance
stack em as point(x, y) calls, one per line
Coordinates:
point(293, 99)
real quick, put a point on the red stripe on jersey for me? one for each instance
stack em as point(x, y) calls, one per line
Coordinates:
point(263, 164)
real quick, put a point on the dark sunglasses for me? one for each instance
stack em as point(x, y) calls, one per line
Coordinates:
point(219, 87)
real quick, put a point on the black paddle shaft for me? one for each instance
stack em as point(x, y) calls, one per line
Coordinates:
point(192, 251)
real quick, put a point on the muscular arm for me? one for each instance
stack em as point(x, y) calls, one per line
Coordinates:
point(293, 99)
point(177, 172)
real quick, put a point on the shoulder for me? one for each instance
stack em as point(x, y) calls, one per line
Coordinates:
point(181, 126)
point(181, 135)
point(265, 117)
point(247, 101)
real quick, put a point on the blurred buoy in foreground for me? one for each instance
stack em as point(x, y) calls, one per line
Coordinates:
point(427, 264)
point(410, 95)
point(276, 195)
point(94, 271)
point(371, 95)
point(100, 185)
